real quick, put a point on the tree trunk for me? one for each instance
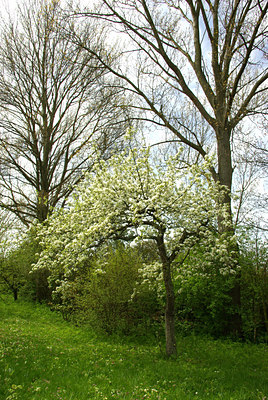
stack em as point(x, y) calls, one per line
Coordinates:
point(42, 206)
point(225, 175)
point(15, 293)
point(171, 346)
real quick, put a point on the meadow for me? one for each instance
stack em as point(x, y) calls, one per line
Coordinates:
point(43, 357)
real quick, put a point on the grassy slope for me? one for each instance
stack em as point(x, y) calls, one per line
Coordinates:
point(44, 358)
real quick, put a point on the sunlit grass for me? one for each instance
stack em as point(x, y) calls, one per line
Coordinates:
point(45, 358)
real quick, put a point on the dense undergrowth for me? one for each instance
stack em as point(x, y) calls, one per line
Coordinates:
point(43, 357)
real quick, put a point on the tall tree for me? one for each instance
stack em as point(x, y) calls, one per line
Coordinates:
point(54, 110)
point(211, 52)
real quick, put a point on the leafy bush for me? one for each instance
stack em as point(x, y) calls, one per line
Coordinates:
point(15, 267)
point(254, 290)
point(203, 285)
point(109, 292)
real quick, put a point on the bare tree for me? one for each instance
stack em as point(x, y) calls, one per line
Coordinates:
point(55, 110)
point(211, 52)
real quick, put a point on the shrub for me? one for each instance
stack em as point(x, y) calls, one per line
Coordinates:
point(203, 284)
point(254, 291)
point(109, 292)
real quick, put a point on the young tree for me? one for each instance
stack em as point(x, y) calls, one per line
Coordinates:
point(211, 52)
point(131, 198)
point(54, 110)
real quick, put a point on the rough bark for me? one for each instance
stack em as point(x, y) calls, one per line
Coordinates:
point(225, 176)
point(225, 223)
point(171, 346)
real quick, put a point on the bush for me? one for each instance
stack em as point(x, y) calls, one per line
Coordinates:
point(108, 291)
point(204, 303)
point(104, 292)
point(203, 285)
point(15, 267)
point(254, 291)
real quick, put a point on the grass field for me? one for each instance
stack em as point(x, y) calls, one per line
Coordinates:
point(45, 358)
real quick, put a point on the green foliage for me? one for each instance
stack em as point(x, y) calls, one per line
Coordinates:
point(17, 257)
point(44, 358)
point(254, 289)
point(15, 266)
point(107, 292)
point(12, 275)
point(203, 283)
point(204, 291)
point(104, 292)
point(204, 302)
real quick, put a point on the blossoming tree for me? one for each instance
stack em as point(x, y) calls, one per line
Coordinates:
point(133, 197)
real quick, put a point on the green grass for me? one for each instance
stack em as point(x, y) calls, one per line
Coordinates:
point(45, 358)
